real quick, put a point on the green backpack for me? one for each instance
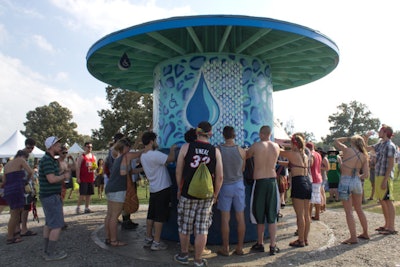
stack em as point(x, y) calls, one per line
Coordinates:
point(201, 185)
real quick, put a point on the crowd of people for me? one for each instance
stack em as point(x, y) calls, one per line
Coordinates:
point(294, 164)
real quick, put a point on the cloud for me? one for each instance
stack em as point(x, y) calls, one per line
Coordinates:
point(24, 90)
point(61, 76)
point(3, 34)
point(42, 43)
point(20, 8)
point(107, 16)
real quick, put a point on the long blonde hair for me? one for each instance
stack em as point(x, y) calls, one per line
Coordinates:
point(359, 143)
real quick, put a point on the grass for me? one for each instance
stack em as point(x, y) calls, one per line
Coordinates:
point(143, 194)
point(372, 205)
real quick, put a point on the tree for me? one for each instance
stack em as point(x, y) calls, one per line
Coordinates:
point(396, 138)
point(131, 113)
point(50, 120)
point(352, 118)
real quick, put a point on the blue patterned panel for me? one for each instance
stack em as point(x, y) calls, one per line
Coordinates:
point(222, 89)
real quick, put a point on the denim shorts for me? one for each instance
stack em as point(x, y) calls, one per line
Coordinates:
point(118, 196)
point(53, 211)
point(232, 194)
point(349, 185)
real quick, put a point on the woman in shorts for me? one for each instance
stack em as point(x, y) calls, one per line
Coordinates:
point(301, 187)
point(355, 168)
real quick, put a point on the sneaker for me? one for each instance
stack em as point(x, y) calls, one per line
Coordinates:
point(258, 247)
point(273, 250)
point(78, 210)
point(55, 256)
point(158, 246)
point(148, 242)
point(181, 259)
point(203, 263)
point(87, 210)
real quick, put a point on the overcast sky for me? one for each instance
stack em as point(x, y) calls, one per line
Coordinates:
point(43, 46)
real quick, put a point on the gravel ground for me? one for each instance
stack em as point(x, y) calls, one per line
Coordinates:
point(82, 242)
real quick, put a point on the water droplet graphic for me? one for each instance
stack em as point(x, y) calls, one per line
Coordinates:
point(202, 106)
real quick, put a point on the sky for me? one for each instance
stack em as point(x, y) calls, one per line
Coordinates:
point(43, 47)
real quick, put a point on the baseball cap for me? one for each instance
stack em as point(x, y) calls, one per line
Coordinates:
point(50, 141)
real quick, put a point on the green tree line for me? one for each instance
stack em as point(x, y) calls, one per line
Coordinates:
point(131, 114)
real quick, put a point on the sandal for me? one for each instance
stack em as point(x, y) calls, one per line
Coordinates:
point(381, 228)
point(306, 242)
point(29, 233)
point(107, 242)
point(117, 243)
point(297, 243)
point(14, 240)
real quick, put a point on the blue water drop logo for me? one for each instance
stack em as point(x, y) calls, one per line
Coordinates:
point(202, 106)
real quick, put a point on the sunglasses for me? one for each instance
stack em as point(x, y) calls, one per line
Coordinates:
point(65, 153)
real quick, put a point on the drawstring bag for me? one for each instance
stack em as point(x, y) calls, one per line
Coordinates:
point(201, 185)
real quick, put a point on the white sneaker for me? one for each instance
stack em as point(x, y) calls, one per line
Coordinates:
point(158, 246)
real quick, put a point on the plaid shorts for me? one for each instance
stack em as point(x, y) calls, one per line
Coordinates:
point(194, 211)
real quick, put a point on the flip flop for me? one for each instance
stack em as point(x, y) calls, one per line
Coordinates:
point(223, 252)
point(239, 253)
point(347, 242)
point(117, 243)
point(363, 237)
point(29, 233)
point(381, 228)
point(14, 240)
point(388, 232)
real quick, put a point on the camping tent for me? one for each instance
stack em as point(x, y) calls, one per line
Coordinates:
point(14, 143)
point(75, 148)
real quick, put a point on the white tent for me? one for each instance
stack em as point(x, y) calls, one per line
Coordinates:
point(14, 143)
point(279, 132)
point(75, 148)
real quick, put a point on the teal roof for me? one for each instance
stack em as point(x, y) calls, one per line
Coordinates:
point(297, 55)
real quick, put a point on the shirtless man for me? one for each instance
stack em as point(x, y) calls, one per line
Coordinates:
point(265, 195)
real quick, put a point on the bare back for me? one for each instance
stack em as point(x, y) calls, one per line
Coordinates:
point(265, 155)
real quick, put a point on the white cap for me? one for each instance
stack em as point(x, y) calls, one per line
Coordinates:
point(50, 141)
